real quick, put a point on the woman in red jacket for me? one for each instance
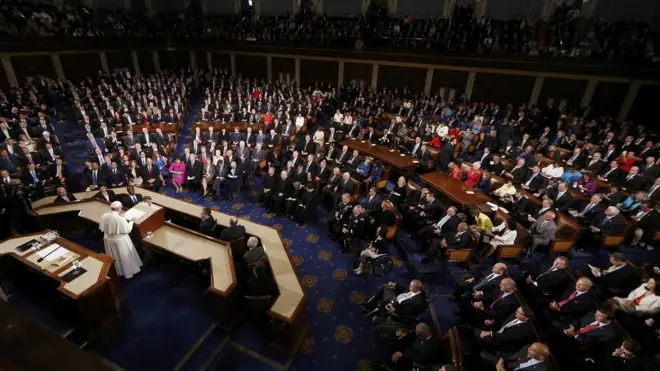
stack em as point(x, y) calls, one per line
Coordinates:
point(627, 161)
point(474, 175)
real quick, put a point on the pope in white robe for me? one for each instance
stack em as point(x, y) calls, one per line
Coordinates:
point(118, 242)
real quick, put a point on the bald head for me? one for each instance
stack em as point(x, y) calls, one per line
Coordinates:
point(538, 351)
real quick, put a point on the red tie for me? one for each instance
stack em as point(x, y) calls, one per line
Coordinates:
point(639, 298)
point(587, 328)
point(573, 296)
point(496, 300)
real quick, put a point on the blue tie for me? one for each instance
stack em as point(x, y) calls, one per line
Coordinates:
point(10, 166)
point(34, 177)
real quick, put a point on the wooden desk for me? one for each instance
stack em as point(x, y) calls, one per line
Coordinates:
point(28, 345)
point(229, 126)
point(96, 292)
point(289, 308)
point(405, 164)
point(454, 189)
point(137, 129)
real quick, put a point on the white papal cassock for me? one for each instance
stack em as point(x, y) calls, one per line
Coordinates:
point(118, 243)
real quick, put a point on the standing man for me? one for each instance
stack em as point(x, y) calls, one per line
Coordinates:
point(118, 243)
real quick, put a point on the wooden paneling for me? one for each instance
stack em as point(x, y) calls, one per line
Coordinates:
point(283, 66)
point(449, 80)
point(502, 89)
point(392, 77)
point(251, 66)
point(200, 59)
point(607, 98)
point(119, 60)
point(221, 61)
point(358, 71)
point(174, 60)
point(146, 62)
point(31, 66)
point(313, 71)
point(645, 108)
point(560, 89)
point(78, 67)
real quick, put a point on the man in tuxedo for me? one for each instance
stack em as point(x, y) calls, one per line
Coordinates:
point(534, 180)
point(233, 232)
point(105, 194)
point(404, 301)
point(573, 303)
point(529, 358)
point(132, 198)
point(207, 223)
point(63, 196)
point(420, 348)
point(151, 176)
point(548, 282)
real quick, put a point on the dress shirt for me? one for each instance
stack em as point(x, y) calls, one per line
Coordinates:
point(405, 296)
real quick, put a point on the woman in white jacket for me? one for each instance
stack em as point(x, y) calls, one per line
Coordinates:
point(642, 301)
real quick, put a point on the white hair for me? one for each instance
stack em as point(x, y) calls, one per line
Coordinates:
point(115, 206)
point(614, 210)
point(252, 242)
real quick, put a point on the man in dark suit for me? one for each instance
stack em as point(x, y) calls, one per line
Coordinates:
point(492, 308)
point(527, 155)
point(447, 153)
point(63, 196)
point(346, 185)
point(92, 143)
point(589, 212)
point(372, 203)
point(574, 303)
point(447, 225)
point(95, 177)
point(591, 331)
point(404, 301)
point(610, 174)
point(529, 358)
point(595, 165)
point(455, 241)
point(50, 154)
point(607, 224)
point(28, 157)
point(151, 176)
point(233, 232)
point(425, 214)
point(8, 162)
point(633, 182)
point(132, 198)
point(534, 180)
point(648, 220)
point(518, 173)
point(105, 194)
point(420, 348)
point(485, 283)
point(549, 282)
point(514, 332)
point(619, 279)
point(207, 223)
point(193, 173)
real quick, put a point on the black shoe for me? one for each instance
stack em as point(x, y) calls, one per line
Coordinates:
point(364, 308)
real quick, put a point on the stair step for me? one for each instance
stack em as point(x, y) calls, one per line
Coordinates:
point(204, 350)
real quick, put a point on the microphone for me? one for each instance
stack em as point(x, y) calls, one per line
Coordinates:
point(47, 255)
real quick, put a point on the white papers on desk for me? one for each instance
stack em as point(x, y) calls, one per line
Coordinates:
point(493, 206)
point(415, 162)
point(504, 210)
point(49, 249)
point(134, 214)
point(469, 192)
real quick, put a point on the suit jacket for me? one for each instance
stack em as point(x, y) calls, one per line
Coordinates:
point(610, 227)
point(194, 170)
point(501, 308)
point(233, 233)
point(111, 196)
point(412, 306)
point(535, 183)
point(522, 353)
point(206, 225)
point(60, 200)
point(600, 335)
point(90, 145)
point(128, 202)
point(622, 280)
point(254, 255)
point(462, 242)
point(519, 175)
point(100, 178)
point(513, 337)
point(564, 202)
point(633, 184)
point(577, 307)
point(596, 167)
point(154, 174)
point(420, 350)
point(374, 205)
point(47, 157)
point(543, 234)
point(552, 282)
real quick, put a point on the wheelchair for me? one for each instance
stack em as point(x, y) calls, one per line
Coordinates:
point(378, 267)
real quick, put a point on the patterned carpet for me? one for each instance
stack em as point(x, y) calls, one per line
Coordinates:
point(166, 315)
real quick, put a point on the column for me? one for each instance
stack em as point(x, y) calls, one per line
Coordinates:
point(136, 62)
point(374, 77)
point(58, 66)
point(269, 67)
point(104, 63)
point(470, 84)
point(340, 74)
point(429, 80)
point(588, 93)
point(232, 64)
point(365, 6)
point(633, 89)
point(127, 5)
point(536, 90)
point(9, 70)
point(448, 10)
point(156, 58)
point(209, 61)
point(480, 8)
point(193, 60)
point(297, 71)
